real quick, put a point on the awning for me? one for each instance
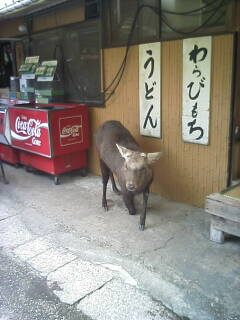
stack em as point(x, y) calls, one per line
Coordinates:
point(18, 8)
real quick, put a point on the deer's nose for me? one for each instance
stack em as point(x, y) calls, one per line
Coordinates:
point(130, 187)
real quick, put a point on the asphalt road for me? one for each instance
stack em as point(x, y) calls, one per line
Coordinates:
point(25, 296)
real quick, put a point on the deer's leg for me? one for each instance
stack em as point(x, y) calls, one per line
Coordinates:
point(114, 187)
point(143, 214)
point(128, 199)
point(105, 177)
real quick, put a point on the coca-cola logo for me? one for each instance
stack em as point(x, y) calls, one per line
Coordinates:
point(28, 128)
point(70, 131)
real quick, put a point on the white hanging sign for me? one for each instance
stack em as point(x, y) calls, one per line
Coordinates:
point(149, 89)
point(196, 89)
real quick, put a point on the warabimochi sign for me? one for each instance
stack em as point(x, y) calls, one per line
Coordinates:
point(29, 131)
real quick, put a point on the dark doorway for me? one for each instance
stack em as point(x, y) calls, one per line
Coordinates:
point(6, 64)
point(235, 150)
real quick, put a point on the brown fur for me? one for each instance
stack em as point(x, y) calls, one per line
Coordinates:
point(119, 154)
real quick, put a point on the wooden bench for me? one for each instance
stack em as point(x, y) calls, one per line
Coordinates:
point(224, 208)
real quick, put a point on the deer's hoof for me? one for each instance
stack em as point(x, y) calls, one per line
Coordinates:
point(105, 206)
point(141, 227)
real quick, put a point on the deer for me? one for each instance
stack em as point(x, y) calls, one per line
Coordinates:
point(120, 156)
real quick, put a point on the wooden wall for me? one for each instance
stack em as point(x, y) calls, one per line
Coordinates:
point(59, 17)
point(9, 28)
point(188, 172)
point(52, 19)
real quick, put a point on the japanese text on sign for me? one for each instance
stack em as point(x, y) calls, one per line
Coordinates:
point(149, 89)
point(196, 89)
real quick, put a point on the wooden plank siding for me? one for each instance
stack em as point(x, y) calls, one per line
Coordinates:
point(59, 17)
point(52, 19)
point(187, 172)
point(9, 28)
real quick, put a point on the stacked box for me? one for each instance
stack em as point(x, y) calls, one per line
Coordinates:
point(14, 84)
point(27, 89)
point(49, 91)
point(14, 87)
point(49, 86)
point(27, 80)
point(4, 93)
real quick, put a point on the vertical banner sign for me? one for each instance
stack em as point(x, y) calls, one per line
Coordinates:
point(149, 89)
point(196, 89)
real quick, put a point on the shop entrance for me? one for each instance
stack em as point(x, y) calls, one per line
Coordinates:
point(6, 64)
point(235, 152)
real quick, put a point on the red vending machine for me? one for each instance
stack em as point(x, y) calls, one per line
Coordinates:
point(51, 138)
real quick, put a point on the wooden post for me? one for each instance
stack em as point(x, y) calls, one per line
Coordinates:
point(216, 235)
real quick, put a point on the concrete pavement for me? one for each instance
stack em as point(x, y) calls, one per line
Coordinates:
point(26, 296)
point(102, 264)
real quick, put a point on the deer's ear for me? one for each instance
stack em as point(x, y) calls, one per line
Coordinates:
point(154, 156)
point(125, 153)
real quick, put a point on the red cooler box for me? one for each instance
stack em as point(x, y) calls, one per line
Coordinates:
point(52, 138)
